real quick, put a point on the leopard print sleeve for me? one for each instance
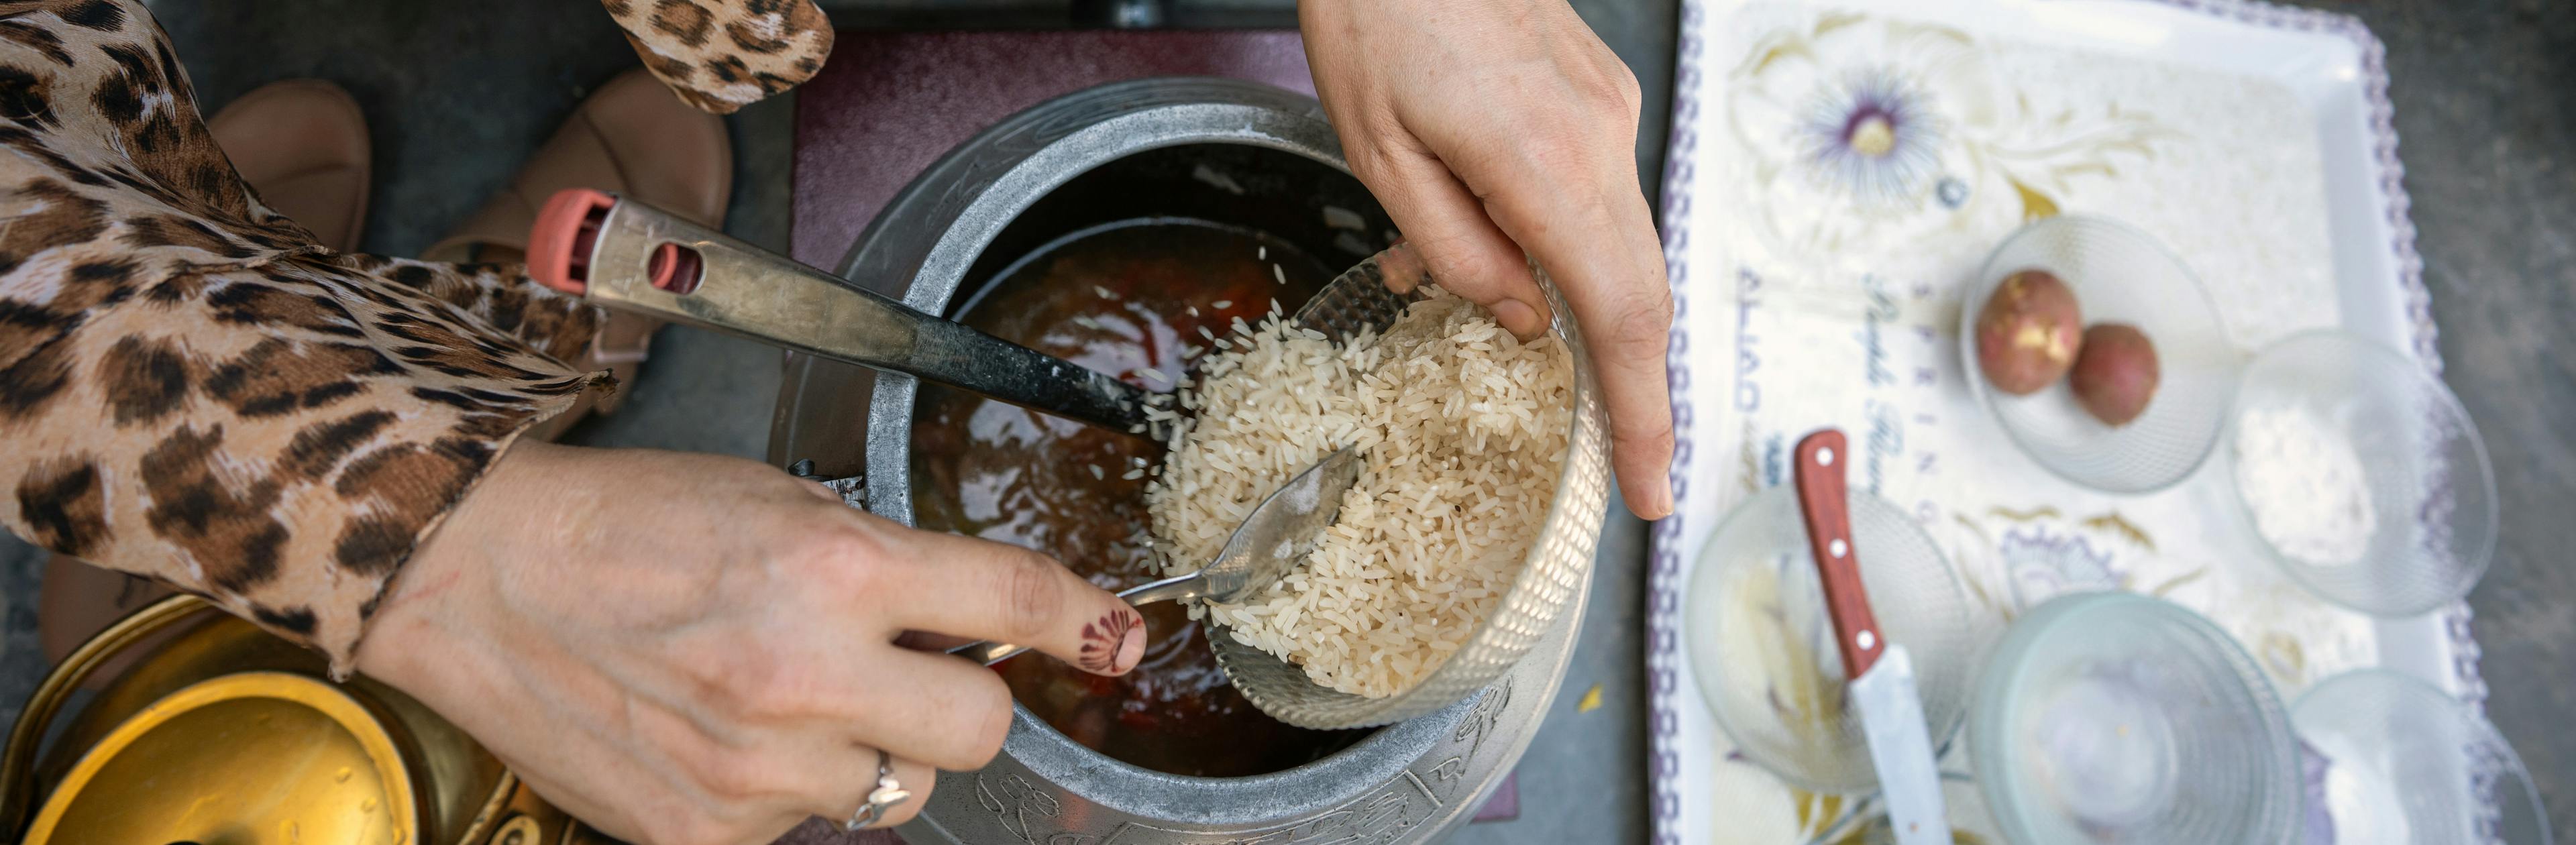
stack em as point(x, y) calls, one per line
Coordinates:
point(721, 55)
point(190, 388)
point(499, 296)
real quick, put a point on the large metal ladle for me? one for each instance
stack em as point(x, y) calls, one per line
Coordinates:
point(627, 256)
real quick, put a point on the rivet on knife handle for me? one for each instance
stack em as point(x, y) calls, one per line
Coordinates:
point(1826, 508)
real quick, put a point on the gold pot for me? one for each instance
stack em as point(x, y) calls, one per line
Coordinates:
point(181, 723)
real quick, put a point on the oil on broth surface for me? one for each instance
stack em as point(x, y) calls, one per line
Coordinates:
point(1121, 299)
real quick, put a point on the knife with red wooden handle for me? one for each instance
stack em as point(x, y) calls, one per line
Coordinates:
point(1882, 674)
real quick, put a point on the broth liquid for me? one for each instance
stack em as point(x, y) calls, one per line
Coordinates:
point(1123, 299)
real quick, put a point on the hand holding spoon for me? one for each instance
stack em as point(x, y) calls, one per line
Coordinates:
point(1268, 546)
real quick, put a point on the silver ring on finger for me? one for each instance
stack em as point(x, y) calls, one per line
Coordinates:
point(882, 800)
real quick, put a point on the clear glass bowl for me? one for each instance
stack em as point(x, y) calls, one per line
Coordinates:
point(2431, 493)
point(2118, 275)
point(1758, 637)
point(1551, 579)
point(2115, 717)
point(2392, 759)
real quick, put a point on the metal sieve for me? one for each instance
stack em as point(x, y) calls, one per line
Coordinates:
point(1550, 579)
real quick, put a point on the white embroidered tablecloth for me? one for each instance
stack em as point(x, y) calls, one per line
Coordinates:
point(1820, 285)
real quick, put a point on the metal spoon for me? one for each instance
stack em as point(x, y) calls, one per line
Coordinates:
point(621, 254)
point(1264, 549)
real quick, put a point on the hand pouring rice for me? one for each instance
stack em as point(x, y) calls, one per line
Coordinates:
point(1464, 430)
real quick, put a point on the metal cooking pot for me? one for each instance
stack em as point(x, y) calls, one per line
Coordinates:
point(1230, 152)
point(182, 723)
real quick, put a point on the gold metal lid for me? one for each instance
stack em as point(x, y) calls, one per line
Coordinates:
point(194, 725)
point(253, 756)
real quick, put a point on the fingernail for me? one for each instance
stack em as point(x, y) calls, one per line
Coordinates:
point(1653, 503)
point(1518, 318)
point(1112, 644)
point(1132, 648)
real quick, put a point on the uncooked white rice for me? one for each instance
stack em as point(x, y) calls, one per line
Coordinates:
point(1464, 433)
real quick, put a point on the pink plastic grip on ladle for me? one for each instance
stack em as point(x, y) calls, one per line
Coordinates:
point(567, 228)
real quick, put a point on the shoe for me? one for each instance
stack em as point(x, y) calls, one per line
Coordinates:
point(302, 146)
point(633, 138)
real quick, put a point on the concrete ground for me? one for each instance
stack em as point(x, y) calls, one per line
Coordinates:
point(458, 91)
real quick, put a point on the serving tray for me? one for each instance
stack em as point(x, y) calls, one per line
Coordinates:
point(1815, 287)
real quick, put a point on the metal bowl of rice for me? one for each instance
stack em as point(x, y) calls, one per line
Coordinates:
point(1469, 534)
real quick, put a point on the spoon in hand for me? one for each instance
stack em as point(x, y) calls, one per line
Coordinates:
point(1278, 534)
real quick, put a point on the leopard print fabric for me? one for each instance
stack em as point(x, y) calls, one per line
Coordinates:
point(721, 55)
point(191, 389)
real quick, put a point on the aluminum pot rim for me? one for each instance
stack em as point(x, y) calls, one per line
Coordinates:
point(933, 231)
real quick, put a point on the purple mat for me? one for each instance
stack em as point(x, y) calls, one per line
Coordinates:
point(889, 104)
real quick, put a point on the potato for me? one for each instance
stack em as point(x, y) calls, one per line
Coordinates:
point(2116, 374)
point(2029, 332)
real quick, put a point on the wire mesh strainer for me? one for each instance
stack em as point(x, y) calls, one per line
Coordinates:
point(1554, 571)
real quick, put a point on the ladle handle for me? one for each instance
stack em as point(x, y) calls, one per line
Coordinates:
point(1825, 506)
point(621, 254)
point(1175, 588)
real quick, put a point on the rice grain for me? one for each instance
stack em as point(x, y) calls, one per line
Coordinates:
point(1464, 430)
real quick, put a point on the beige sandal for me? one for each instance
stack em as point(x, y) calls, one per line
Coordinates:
point(302, 146)
point(634, 138)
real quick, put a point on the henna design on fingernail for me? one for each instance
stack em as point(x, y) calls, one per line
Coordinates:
point(1104, 639)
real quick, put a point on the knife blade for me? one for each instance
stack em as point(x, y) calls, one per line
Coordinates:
point(1891, 718)
point(1882, 673)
